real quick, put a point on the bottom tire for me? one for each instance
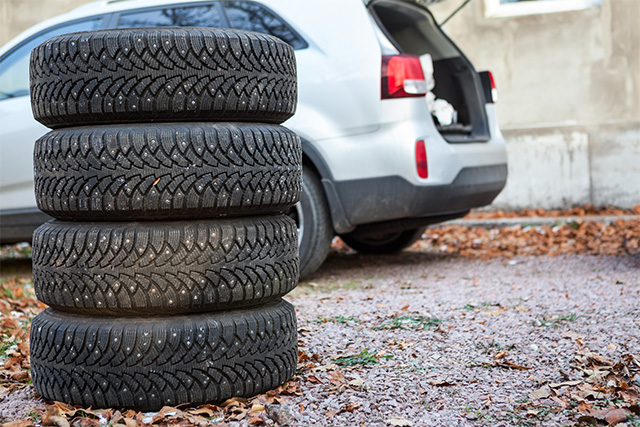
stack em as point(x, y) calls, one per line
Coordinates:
point(147, 363)
point(387, 243)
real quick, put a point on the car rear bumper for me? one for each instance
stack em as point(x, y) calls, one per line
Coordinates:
point(389, 198)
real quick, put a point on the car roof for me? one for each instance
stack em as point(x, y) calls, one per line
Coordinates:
point(111, 6)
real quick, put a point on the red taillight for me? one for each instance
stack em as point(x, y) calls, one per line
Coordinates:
point(494, 91)
point(421, 159)
point(402, 77)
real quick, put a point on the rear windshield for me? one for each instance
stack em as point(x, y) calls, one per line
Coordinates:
point(413, 30)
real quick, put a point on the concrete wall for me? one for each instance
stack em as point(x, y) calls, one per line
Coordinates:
point(569, 106)
point(569, 86)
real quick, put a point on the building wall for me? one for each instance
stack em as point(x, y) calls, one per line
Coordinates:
point(569, 87)
point(569, 99)
point(18, 15)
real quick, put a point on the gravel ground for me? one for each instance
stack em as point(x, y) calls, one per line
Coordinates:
point(476, 337)
point(425, 339)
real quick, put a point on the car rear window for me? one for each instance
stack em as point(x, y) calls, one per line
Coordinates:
point(239, 15)
point(192, 16)
point(252, 16)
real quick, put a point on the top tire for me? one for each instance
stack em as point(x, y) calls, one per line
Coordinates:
point(162, 74)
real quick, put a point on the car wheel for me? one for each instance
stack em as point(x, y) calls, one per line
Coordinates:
point(384, 243)
point(148, 268)
point(147, 363)
point(167, 171)
point(162, 74)
point(315, 230)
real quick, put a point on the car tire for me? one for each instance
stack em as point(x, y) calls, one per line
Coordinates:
point(315, 230)
point(167, 171)
point(387, 243)
point(147, 363)
point(162, 74)
point(153, 268)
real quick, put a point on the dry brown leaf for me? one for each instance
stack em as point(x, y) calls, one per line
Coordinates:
point(337, 378)
point(500, 355)
point(55, 420)
point(541, 393)
point(255, 421)
point(512, 365)
point(439, 383)
point(612, 416)
point(17, 424)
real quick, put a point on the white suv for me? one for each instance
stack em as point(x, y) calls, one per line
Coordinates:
point(386, 153)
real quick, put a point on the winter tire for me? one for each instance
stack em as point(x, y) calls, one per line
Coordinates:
point(151, 268)
point(146, 363)
point(162, 74)
point(167, 171)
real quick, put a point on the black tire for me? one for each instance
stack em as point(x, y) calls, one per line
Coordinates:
point(387, 243)
point(146, 363)
point(162, 74)
point(167, 171)
point(315, 230)
point(150, 268)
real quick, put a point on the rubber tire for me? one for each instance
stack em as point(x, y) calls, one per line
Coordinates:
point(385, 243)
point(146, 363)
point(162, 74)
point(316, 231)
point(154, 268)
point(167, 171)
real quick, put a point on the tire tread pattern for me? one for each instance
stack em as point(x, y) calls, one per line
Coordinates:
point(162, 74)
point(151, 268)
point(167, 171)
point(149, 363)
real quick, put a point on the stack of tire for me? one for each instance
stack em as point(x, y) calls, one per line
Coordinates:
point(167, 173)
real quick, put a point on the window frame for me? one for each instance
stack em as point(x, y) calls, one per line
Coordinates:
point(220, 4)
point(216, 4)
point(495, 9)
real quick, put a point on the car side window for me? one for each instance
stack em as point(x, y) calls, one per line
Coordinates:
point(191, 16)
point(252, 16)
point(14, 67)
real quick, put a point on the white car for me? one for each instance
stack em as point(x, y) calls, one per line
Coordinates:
point(386, 152)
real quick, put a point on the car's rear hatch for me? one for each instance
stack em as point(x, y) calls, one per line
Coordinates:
point(411, 28)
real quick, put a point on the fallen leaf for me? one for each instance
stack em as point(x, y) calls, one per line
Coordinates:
point(541, 393)
point(55, 420)
point(512, 365)
point(500, 355)
point(439, 383)
point(565, 384)
point(612, 416)
point(337, 378)
point(17, 424)
point(358, 382)
point(255, 421)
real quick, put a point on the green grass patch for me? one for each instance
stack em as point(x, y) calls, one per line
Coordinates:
point(409, 323)
point(557, 319)
point(365, 357)
point(336, 319)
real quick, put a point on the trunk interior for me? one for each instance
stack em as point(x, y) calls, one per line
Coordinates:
point(413, 30)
